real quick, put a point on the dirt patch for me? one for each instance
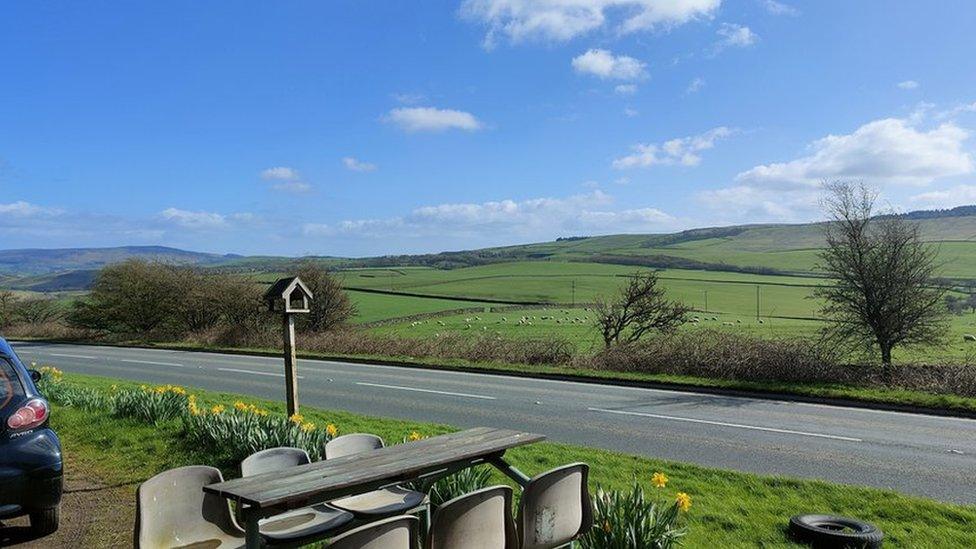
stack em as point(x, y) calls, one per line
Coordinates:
point(93, 514)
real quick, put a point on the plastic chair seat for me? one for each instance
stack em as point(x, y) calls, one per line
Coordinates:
point(302, 523)
point(395, 500)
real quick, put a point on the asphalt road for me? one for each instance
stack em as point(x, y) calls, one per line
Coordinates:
point(924, 455)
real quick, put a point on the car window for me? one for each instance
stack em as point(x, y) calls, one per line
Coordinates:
point(10, 384)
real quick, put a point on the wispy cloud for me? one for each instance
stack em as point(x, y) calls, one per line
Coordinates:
point(279, 173)
point(732, 35)
point(532, 218)
point(695, 85)
point(908, 85)
point(684, 151)
point(562, 20)
point(355, 165)
point(286, 179)
point(626, 89)
point(430, 119)
point(779, 8)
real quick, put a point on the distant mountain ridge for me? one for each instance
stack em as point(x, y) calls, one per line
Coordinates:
point(39, 261)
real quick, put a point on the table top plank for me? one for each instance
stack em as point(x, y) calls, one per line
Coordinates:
point(295, 486)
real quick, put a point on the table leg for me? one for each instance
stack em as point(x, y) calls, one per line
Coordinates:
point(511, 472)
point(252, 533)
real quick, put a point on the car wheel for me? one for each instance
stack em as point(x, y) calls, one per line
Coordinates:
point(830, 532)
point(45, 521)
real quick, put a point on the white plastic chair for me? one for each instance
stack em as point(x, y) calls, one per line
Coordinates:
point(299, 524)
point(378, 503)
point(391, 533)
point(479, 520)
point(172, 510)
point(556, 508)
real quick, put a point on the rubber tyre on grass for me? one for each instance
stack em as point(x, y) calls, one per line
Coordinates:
point(45, 521)
point(831, 532)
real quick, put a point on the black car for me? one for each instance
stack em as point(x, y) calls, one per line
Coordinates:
point(31, 468)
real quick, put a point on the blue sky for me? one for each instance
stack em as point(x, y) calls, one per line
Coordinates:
point(369, 127)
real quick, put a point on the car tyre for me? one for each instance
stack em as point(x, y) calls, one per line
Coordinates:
point(45, 521)
point(832, 532)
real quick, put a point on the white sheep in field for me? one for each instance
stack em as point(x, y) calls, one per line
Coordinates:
point(969, 337)
point(504, 319)
point(441, 323)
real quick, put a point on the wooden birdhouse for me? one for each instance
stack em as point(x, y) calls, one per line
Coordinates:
point(288, 295)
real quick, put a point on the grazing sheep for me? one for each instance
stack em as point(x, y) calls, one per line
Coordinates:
point(728, 324)
point(761, 321)
point(969, 337)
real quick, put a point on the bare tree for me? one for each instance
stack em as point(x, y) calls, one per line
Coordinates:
point(36, 310)
point(882, 295)
point(639, 307)
point(330, 305)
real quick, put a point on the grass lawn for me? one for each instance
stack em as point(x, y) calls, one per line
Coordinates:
point(730, 509)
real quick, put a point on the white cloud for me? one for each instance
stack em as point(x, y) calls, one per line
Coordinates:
point(958, 195)
point(357, 165)
point(957, 110)
point(779, 8)
point(532, 218)
point(26, 209)
point(626, 89)
point(297, 187)
point(881, 152)
point(682, 150)
point(194, 220)
point(732, 35)
point(695, 85)
point(631, 113)
point(908, 85)
point(281, 173)
point(409, 98)
point(887, 150)
point(606, 65)
point(420, 119)
point(288, 180)
point(562, 20)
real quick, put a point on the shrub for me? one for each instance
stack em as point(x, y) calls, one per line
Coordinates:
point(719, 354)
point(632, 520)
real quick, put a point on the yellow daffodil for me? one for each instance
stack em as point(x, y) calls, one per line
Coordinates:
point(659, 480)
point(217, 410)
point(308, 427)
point(415, 436)
point(240, 406)
point(297, 419)
point(683, 500)
point(331, 430)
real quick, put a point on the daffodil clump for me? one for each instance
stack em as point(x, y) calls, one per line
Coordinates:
point(233, 433)
point(53, 387)
point(152, 404)
point(635, 519)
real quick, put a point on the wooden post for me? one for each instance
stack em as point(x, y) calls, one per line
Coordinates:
point(291, 364)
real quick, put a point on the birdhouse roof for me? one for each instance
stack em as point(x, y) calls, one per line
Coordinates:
point(284, 287)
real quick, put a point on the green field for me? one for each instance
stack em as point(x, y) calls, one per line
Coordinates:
point(785, 305)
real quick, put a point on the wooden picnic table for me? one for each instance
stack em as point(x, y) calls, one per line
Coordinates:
point(268, 494)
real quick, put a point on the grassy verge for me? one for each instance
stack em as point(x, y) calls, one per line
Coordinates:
point(847, 394)
point(730, 509)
